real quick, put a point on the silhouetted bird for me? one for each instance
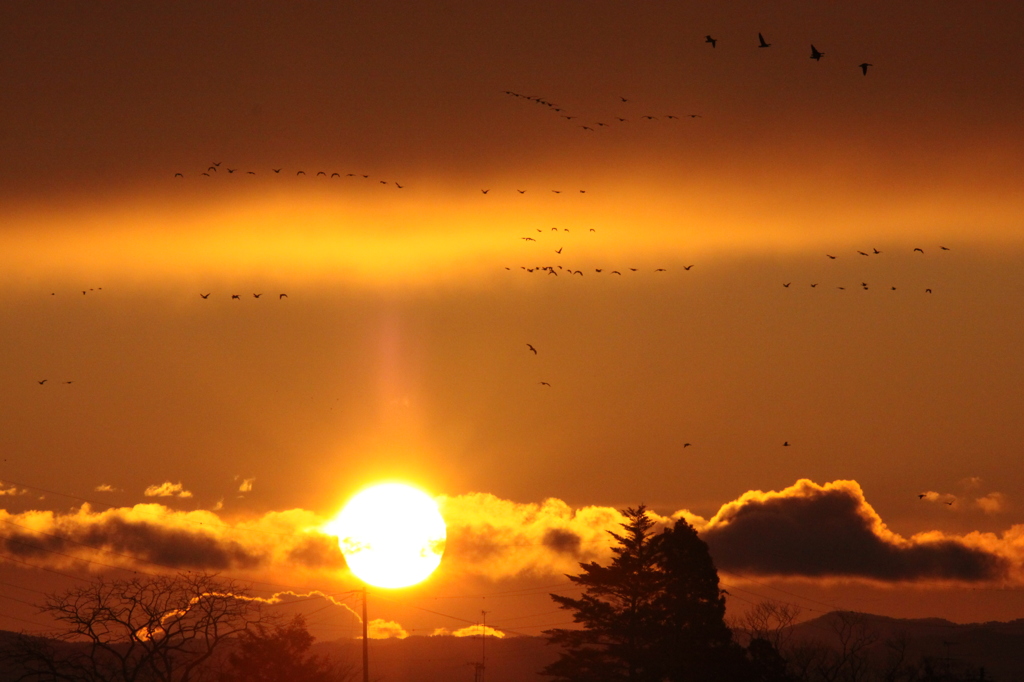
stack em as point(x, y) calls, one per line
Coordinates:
point(217, 163)
point(650, 118)
point(530, 346)
point(921, 496)
point(231, 170)
point(621, 120)
point(950, 503)
point(557, 191)
point(280, 296)
point(815, 54)
point(876, 251)
point(212, 168)
point(178, 175)
point(399, 186)
point(786, 444)
point(709, 39)
point(787, 284)
point(830, 256)
point(560, 249)
point(250, 172)
point(276, 170)
point(577, 272)
point(862, 253)
point(300, 172)
point(43, 382)
point(206, 295)
point(485, 191)
point(256, 295)
point(944, 248)
point(544, 383)
point(323, 173)
point(587, 128)
point(593, 230)
point(760, 39)
point(206, 174)
point(864, 68)
point(686, 445)
point(69, 382)
point(633, 269)
point(623, 98)
point(616, 272)
point(236, 296)
point(597, 269)
point(521, 191)
point(927, 291)
point(660, 270)
point(814, 285)
point(335, 175)
point(528, 239)
point(687, 267)
point(921, 250)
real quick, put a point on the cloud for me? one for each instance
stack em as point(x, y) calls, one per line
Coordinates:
point(378, 628)
point(831, 531)
point(477, 631)
point(146, 534)
point(11, 490)
point(246, 485)
point(993, 503)
point(104, 488)
point(167, 489)
point(808, 531)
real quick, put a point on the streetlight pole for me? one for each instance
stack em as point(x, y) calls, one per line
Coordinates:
point(366, 643)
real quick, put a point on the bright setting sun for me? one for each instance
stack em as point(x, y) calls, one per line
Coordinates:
point(392, 535)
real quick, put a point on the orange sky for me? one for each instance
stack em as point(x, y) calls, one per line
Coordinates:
point(400, 350)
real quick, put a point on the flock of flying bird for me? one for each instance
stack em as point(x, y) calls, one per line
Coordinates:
point(816, 54)
point(217, 166)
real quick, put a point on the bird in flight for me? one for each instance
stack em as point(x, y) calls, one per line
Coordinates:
point(560, 249)
point(623, 98)
point(944, 248)
point(862, 253)
point(236, 296)
point(876, 251)
point(616, 272)
point(919, 249)
point(43, 382)
point(528, 239)
point(660, 270)
point(206, 174)
point(787, 284)
point(597, 269)
point(621, 120)
point(815, 54)
point(217, 163)
point(485, 191)
point(557, 191)
point(521, 191)
point(687, 267)
point(276, 170)
point(544, 383)
point(256, 295)
point(830, 256)
point(786, 444)
point(398, 186)
point(921, 496)
point(814, 285)
point(300, 172)
point(686, 445)
point(530, 346)
point(760, 39)
point(335, 175)
point(650, 118)
point(178, 175)
point(709, 39)
point(205, 295)
point(927, 291)
point(232, 170)
point(280, 296)
point(864, 68)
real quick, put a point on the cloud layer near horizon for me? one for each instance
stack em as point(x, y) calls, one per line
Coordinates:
point(807, 531)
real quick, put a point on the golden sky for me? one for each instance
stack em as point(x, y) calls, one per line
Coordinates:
point(400, 350)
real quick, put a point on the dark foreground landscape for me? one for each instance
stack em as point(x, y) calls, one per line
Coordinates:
point(837, 646)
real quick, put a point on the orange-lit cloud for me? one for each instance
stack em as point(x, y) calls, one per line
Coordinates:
point(831, 531)
point(808, 531)
point(167, 489)
point(151, 534)
point(11, 490)
point(378, 628)
point(104, 488)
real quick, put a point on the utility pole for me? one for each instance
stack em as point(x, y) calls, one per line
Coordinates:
point(366, 643)
point(483, 644)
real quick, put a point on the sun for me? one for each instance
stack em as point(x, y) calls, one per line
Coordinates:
point(392, 535)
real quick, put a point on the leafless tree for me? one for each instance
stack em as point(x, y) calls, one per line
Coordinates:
point(771, 621)
point(145, 629)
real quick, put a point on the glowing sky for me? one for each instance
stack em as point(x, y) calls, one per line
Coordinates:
point(400, 349)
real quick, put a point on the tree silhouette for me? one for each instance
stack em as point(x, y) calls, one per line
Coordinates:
point(655, 613)
point(162, 628)
point(280, 654)
point(617, 611)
